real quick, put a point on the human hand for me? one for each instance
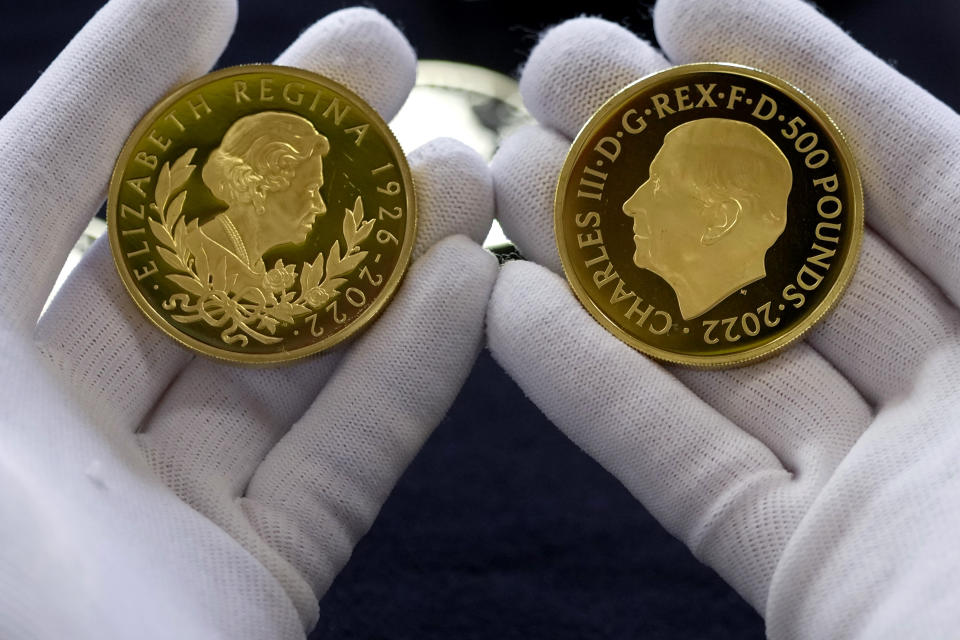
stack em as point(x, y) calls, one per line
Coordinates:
point(150, 493)
point(821, 484)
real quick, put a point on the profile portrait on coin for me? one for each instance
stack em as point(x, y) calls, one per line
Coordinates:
point(715, 201)
point(268, 169)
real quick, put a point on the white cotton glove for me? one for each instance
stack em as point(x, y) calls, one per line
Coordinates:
point(822, 484)
point(148, 493)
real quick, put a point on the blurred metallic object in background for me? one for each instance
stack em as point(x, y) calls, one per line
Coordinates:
point(472, 104)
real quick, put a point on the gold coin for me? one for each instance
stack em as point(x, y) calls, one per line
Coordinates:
point(261, 213)
point(709, 214)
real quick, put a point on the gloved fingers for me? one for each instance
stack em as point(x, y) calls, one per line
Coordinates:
point(810, 417)
point(577, 66)
point(362, 50)
point(905, 141)
point(454, 193)
point(58, 144)
point(217, 421)
point(103, 346)
point(525, 172)
point(319, 489)
point(691, 467)
point(888, 324)
point(881, 539)
point(796, 403)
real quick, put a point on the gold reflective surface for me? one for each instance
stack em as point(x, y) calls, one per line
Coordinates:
point(261, 213)
point(709, 214)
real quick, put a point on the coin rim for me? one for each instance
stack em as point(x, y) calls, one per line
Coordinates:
point(775, 346)
point(365, 317)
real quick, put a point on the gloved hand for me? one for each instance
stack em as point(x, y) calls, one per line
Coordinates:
point(148, 493)
point(822, 484)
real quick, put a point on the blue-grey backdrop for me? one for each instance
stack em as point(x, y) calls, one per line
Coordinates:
point(501, 528)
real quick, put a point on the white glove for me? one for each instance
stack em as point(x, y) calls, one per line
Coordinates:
point(245, 490)
point(822, 484)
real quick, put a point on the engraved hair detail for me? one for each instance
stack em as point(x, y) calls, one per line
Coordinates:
point(259, 154)
point(727, 159)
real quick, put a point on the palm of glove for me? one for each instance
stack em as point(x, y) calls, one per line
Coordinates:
point(292, 462)
point(811, 480)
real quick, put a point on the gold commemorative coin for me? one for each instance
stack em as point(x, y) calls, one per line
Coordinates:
point(709, 214)
point(261, 213)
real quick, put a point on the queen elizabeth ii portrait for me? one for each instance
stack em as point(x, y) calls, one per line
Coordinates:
point(268, 169)
point(715, 201)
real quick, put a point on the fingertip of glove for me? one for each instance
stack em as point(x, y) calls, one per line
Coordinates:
point(445, 146)
point(454, 192)
point(215, 19)
point(195, 32)
point(517, 143)
point(223, 11)
point(459, 168)
point(530, 144)
point(742, 31)
point(680, 26)
point(363, 50)
point(561, 44)
point(204, 14)
point(460, 257)
point(525, 171)
point(669, 17)
point(577, 65)
point(369, 25)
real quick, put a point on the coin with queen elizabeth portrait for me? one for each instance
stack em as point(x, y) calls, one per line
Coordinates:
point(261, 214)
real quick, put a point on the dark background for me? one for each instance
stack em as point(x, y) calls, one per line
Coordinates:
point(501, 528)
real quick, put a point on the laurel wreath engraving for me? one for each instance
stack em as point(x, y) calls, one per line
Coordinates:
point(207, 293)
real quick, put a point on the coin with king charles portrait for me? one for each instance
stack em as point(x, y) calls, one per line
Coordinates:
point(261, 213)
point(709, 214)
